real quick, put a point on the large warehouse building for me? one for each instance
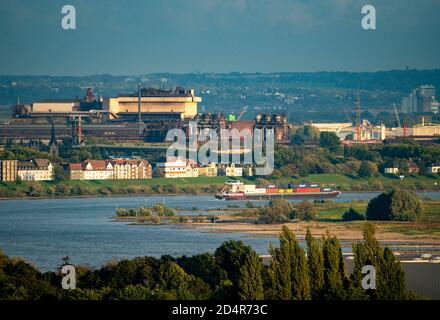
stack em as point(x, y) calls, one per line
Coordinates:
point(154, 101)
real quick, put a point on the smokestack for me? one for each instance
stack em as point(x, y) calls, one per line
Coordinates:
point(139, 109)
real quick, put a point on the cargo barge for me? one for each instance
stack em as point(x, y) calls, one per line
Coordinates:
point(237, 190)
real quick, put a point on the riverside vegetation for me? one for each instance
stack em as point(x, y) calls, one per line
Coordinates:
point(312, 157)
point(233, 271)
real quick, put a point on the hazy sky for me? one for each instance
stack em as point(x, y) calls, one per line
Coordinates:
point(130, 37)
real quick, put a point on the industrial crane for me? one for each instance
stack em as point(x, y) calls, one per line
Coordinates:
point(397, 115)
point(242, 113)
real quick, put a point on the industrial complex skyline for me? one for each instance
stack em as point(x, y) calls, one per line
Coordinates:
point(133, 37)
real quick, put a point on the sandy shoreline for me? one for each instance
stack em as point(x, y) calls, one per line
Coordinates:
point(347, 232)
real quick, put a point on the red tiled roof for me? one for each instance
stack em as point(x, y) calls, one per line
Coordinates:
point(96, 164)
point(75, 166)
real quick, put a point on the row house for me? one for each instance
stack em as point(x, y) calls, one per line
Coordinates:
point(35, 170)
point(8, 170)
point(110, 169)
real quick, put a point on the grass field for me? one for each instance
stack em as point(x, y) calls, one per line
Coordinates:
point(380, 182)
point(334, 211)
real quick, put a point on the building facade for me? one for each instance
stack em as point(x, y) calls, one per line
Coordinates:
point(209, 170)
point(119, 169)
point(178, 169)
point(8, 170)
point(421, 99)
point(35, 170)
point(231, 171)
point(155, 101)
point(434, 168)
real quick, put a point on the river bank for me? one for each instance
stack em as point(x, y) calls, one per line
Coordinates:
point(202, 186)
point(45, 230)
point(245, 220)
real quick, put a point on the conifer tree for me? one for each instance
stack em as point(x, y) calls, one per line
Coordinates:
point(334, 269)
point(390, 277)
point(279, 273)
point(315, 261)
point(289, 270)
point(250, 283)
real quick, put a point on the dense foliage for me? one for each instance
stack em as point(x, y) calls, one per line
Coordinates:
point(397, 204)
point(234, 271)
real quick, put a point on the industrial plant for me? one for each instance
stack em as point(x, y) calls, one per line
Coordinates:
point(142, 116)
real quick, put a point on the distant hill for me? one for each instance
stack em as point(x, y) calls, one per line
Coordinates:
point(301, 95)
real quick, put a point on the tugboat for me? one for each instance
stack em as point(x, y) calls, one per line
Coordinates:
point(237, 190)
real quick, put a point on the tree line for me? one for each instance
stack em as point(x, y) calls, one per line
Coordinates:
point(233, 271)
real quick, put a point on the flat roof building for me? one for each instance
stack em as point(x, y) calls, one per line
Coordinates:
point(155, 101)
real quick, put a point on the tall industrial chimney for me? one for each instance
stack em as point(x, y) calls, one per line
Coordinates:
point(139, 109)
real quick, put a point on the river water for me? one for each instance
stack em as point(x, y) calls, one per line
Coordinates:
point(42, 231)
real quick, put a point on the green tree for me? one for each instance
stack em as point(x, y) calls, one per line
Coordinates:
point(311, 132)
point(175, 283)
point(400, 205)
point(390, 277)
point(334, 269)
point(330, 141)
point(288, 271)
point(315, 261)
point(277, 211)
point(250, 283)
point(352, 215)
point(305, 211)
point(232, 256)
point(367, 169)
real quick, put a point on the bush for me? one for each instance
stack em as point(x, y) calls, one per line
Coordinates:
point(352, 215)
point(305, 211)
point(277, 211)
point(399, 205)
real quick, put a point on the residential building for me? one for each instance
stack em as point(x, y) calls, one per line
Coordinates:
point(394, 167)
point(178, 169)
point(8, 170)
point(421, 99)
point(209, 170)
point(413, 167)
point(131, 169)
point(391, 168)
point(35, 170)
point(110, 169)
point(231, 171)
point(434, 167)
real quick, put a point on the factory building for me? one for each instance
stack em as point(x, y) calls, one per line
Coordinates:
point(278, 122)
point(154, 102)
point(217, 121)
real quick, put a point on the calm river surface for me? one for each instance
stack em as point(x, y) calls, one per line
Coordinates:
point(44, 230)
